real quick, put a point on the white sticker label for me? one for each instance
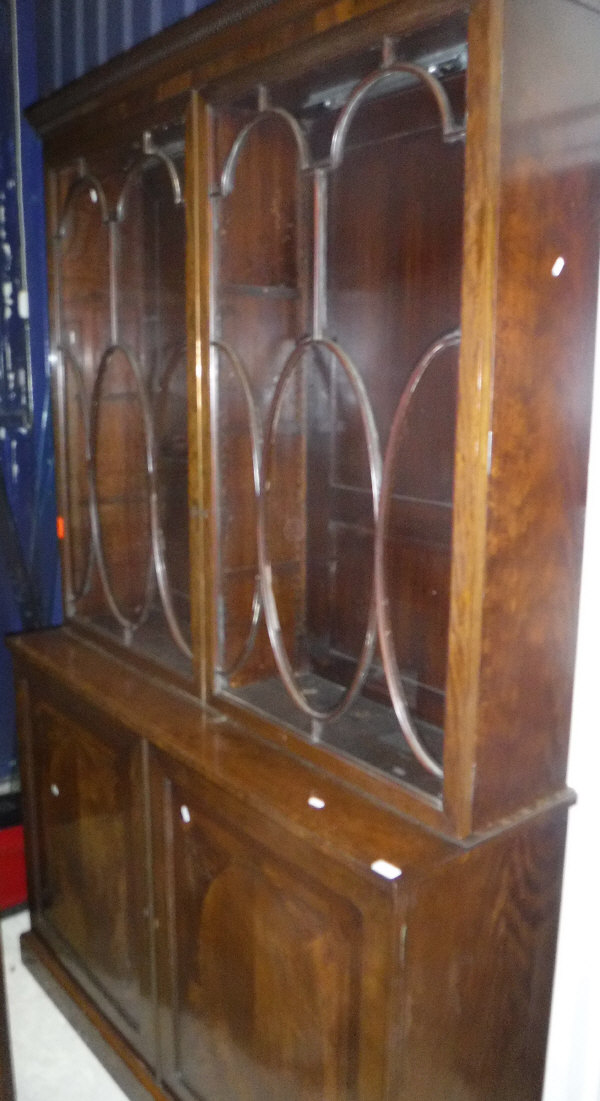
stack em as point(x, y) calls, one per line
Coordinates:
point(387, 870)
point(23, 305)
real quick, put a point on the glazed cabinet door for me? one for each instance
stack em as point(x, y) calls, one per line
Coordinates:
point(274, 966)
point(117, 220)
point(90, 881)
point(336, 268)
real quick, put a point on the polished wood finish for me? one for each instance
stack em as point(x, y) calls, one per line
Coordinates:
point(336, 987)
point(90, 886)
point(202, 860)
point(270, 779)
point(285, 965)
point(455, 969)
point(283, 1022)
point(518, 527)
point(477, 737)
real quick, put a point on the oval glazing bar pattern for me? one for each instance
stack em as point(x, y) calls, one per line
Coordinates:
point(93, 368)
point(324, 348)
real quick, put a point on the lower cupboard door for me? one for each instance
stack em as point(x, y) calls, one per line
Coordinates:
point(92, 865)
point(259, 966)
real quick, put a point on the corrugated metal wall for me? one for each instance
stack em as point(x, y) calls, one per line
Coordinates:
point(76, 35)
point(29, 590)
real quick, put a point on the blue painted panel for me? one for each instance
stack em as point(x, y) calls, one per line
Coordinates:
point(57, 67)
point(67, 67)
point(141, 21)
point(172, 10)
point(14, 374)
point(44, 27)
point(128, 6)
point(101, 14)
point(90, 37)
point(156, 18)
point(39, 495)
point(114, 27)
point(9, 621)
point(26, 457)
point(76, 35)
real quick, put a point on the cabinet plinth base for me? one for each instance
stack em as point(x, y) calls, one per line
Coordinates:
point(107, 1044)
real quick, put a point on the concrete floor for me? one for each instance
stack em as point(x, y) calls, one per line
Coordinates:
point(50, 1061)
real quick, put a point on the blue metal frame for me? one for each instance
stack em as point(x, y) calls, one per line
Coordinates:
point(29, 577)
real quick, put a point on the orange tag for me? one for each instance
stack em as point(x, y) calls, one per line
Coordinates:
point(60, 527)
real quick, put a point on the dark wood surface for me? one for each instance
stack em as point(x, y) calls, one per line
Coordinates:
point(492, 677)
point(285, 1022)
point(225, 933)
point(285, 966)
point(526, 379)
point(91, 857)
point(81, 678)
point(479, 958)
point(545, 326)
point(167, 66)
point(510, 661)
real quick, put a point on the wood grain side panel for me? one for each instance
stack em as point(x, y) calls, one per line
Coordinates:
point(479, 961)
point(550, 173)
point(475, 391)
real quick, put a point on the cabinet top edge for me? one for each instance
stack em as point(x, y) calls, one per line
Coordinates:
point(198, 40)
point(223, 753)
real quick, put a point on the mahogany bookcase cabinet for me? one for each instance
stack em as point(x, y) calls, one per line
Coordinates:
point(323, 280)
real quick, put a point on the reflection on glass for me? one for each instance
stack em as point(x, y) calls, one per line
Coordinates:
point(333, 279)
point(122, 336)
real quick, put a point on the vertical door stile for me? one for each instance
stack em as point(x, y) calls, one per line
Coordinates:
point(198, 314)
point(475, 394)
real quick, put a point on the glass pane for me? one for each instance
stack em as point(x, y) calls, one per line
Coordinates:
point(122, 492)
point(337, 211)
point(77, 461)
point(123, 340)
point(260, 307)
point(150, 304)
point(83, 266)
